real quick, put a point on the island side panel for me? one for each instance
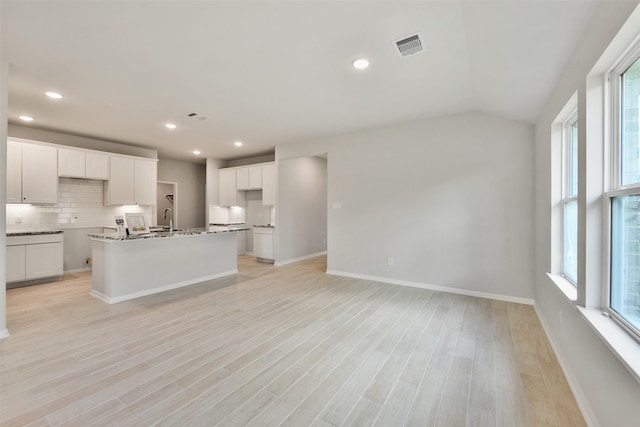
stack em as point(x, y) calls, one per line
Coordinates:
point(134, 268)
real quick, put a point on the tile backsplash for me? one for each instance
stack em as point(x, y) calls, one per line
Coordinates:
point(80, 205)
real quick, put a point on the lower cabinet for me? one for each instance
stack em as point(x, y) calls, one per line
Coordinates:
point(263, 244)
point(34, 257)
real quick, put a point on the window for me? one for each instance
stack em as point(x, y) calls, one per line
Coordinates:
point(570, 198)
point(624, 199)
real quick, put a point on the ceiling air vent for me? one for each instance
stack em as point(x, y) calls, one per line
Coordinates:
point(409, 45)
point(197, 116)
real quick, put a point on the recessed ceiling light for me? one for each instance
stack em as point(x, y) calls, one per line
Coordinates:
point(53, 95)
point(26, 118)
point(360, 63)
point(238, 143)
point(170, 126)
point(196, 152)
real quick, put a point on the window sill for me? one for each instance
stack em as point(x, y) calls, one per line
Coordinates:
point(621, 344)
point(566, 287)
point(626, 349)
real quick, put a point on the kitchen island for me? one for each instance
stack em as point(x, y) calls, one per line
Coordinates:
point(134, 266)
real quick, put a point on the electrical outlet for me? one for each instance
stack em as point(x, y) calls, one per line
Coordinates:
point(18, 220)
point(390, 261)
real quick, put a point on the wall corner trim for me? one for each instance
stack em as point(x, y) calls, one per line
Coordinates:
point(507, 298)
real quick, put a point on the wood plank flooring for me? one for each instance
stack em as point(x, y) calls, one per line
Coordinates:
point(273, 346)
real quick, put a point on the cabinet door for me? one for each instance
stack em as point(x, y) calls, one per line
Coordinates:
point(97, 166)
point(263, 245)
point(71, 163)
point(39, 174)
point(119, 188)
point(255, 177)
point(242, 179)
point(15, 263)
point(146, 182)
point(14, 172)
point(269, 185)
point(43, 260)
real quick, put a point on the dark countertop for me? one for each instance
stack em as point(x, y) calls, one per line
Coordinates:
point(180, 233)
point(33, 233)
point(264, 226)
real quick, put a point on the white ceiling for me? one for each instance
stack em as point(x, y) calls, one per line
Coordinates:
point(270, 73)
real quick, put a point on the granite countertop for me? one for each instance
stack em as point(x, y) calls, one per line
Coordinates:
point(33, 232)
point(212, 229)
point(264, 226)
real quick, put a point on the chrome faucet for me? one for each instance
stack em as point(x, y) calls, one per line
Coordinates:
point(170, 219)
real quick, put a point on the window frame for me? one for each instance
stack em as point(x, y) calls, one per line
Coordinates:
point(613, 182)
point(567, 169)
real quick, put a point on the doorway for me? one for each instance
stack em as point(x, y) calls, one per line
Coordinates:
point(167, 198)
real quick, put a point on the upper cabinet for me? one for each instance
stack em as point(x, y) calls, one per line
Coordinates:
point(133, 181)
point(229, 195)
point(14, 172)
point(145, 181)
point(269, 184)
point(249, 178)
point(83, 164)
point(32, 173)
point(234, 181)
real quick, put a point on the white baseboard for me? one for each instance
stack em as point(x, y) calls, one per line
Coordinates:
point(77, 270)
point(113, 300)
point(508, 298)
point(581, 398)
point(4, 334)
point(302, 258)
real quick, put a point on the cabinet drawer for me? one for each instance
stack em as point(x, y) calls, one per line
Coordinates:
point(34, 239)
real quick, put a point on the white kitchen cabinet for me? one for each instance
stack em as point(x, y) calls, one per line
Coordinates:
point(145, 182)
point(39, 174)
point(132, 181)
point(14, 172)
point(97, 166)
point(43, 260)
point(71, 163)
point(255, 177)
point(263, 244)
point(249, 178)
point(34, 257)
point(229, 194)
point(242, 179)
point(269, 184)
point(119, 190)
point(83, 164)
point(15, 263)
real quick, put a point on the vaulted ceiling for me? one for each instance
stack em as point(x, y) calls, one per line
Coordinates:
point(270, 73)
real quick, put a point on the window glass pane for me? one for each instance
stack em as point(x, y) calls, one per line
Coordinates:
point(629, 142)
point(625, 258)
point(571, 240)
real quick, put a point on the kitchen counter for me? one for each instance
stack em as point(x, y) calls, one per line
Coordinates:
point(212, 229)
point(264, 226)
point(33, 233)
point(127, 268)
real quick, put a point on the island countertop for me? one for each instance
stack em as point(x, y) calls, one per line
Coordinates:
point(211, 229)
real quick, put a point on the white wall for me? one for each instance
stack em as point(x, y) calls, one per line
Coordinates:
point(449, 199)
point(606, 391)
point(302, 209)
point(191, 179)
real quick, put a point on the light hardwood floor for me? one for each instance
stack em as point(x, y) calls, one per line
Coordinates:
point(287, 346)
